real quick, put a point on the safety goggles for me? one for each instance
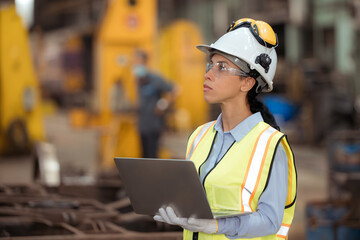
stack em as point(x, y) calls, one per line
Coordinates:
point(221, 69)
point(262, 31)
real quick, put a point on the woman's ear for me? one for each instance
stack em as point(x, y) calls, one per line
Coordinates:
point(248, 83)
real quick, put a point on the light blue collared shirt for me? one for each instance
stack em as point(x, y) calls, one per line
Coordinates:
point(268, 217)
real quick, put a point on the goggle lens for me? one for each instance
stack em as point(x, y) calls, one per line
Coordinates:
point(222, 69)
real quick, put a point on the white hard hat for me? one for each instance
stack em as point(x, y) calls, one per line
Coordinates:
point(253, 42)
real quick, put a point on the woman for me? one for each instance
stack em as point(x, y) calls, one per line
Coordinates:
point(243, 160)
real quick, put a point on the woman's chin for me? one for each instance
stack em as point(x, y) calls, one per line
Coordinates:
point(210, 100)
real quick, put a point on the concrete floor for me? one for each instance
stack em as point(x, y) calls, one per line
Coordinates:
point(312, 172)
point(77, 151)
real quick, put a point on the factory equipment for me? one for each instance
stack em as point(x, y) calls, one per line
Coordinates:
point(20, 106)
point(126, 27)
point(339, 217)
point(183, 64)
point(34, 212)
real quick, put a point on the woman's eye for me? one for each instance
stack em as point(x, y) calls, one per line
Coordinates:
point(222, 67)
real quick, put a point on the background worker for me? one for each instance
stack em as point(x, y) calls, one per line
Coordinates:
point(245, 163)
point(152, 106)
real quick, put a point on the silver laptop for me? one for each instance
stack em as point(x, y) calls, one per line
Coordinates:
point(154, 183)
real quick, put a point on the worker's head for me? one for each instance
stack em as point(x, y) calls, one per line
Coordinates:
point(141, 57)
point(140, 61)
point(250, 45)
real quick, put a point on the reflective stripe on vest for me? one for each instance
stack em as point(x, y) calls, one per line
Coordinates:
point(198, 138)
point(283, 231)
point(255, 167)
point(253, 155)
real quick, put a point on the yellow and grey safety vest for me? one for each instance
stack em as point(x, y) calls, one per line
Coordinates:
point(238, 180)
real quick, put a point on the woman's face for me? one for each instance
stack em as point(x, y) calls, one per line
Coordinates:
point(220, 85)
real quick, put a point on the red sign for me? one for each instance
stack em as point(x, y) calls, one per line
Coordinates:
point(132, 21)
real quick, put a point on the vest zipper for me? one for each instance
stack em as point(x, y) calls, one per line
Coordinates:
point(212, 145)
point(203, 183)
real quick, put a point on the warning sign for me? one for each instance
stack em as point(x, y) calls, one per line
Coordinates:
point(132, 21)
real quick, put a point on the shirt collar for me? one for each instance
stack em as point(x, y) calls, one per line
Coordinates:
point(242, 128)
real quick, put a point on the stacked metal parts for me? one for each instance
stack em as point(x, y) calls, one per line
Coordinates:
point(339, 217)
point(34, 212)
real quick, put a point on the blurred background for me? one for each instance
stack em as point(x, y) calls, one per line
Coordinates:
point(68, 101)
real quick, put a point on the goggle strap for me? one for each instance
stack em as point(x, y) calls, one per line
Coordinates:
point(259, 88)
point(242, 24)
point(254, 74)
point(230, 27)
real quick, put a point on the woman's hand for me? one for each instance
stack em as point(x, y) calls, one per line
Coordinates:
point(168, 215)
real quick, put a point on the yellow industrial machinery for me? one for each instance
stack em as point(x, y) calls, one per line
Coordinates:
point(127, 26)
point(74, 79)
point(182, 63)
point(20, 111)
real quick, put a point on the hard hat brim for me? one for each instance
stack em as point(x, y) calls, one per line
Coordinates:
point(204, 48)
point(208, 48)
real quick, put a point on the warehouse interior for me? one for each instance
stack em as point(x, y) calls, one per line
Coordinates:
point(68, 106)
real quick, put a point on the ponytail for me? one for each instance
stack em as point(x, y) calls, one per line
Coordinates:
point(258, 106)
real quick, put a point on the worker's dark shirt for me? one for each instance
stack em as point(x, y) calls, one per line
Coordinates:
point(150, 88)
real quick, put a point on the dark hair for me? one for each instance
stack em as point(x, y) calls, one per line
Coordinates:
point(257, 106)
point(142, 55)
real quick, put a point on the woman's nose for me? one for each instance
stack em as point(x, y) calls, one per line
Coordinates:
point(209, 74)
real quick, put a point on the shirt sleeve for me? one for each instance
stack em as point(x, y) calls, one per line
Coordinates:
point(161, 84)
point(269, 214)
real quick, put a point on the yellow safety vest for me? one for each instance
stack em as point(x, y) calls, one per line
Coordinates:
point(238, 180)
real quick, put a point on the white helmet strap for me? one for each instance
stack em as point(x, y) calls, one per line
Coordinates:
point(261, 85)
